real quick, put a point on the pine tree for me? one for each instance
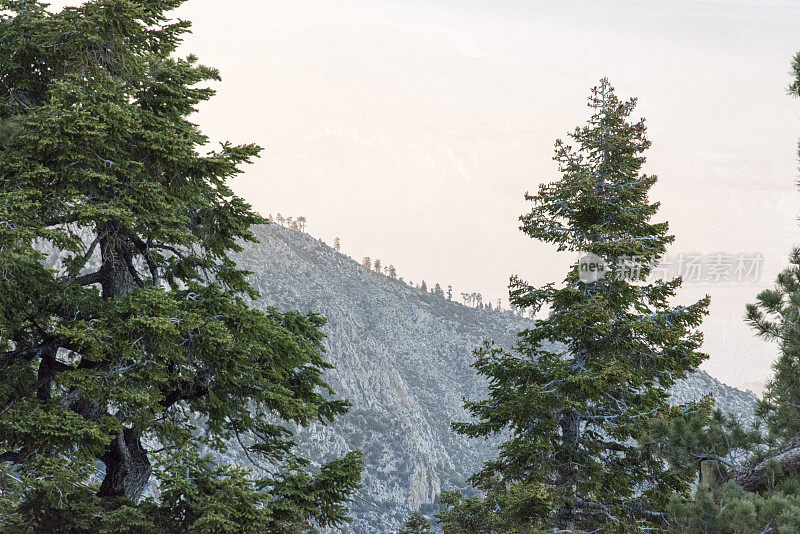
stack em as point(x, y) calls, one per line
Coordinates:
point(776, 316)
point(337, 245)
point(758, 491)
point(582, 388)
point(735, 510)
point(366, 263)
point(449, 292)
point(424, 286)
point(437, 290)
point(138, 351)
point(416, 524)
point(392, 271)
point(377, 265)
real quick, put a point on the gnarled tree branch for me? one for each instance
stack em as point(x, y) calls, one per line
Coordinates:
point(757, 479)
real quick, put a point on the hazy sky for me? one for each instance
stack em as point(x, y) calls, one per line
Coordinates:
point(411, 130)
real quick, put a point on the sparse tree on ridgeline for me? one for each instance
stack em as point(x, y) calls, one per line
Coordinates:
point(337, 245)
point(377, 265)
point(301, 223)
point(437, 290)
point(449, 292)
point(366, 263)
point(424, 286)
point(583, 387)
point(392, 272)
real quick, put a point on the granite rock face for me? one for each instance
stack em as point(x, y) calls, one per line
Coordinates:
point(402, 358)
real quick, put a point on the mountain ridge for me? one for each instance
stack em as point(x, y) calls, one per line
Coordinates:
point(402, 356)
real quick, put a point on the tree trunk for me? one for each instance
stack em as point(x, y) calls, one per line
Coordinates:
point(117, 253)
point(46, 372)
point(127, 467)
point(570, 439)
point(710, 473)
point(570, 430)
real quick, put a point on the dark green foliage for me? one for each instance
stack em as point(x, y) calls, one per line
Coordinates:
point(697, 432)
point(735, 511)
point(580, 394)
point(139, 352)
point(512, 507)
point(416, 524)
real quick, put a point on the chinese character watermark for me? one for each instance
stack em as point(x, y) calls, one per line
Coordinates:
point(691, 268)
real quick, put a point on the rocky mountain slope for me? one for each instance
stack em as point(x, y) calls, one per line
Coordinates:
point(402, 358)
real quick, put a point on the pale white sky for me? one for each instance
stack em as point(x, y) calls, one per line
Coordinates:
point(412, 129)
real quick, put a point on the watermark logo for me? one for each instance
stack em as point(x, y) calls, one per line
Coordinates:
point(692, 268)
point(592, 268)
point(714, 268)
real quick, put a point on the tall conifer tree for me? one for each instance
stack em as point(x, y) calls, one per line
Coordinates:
point(142, 330)
point(586, 381)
